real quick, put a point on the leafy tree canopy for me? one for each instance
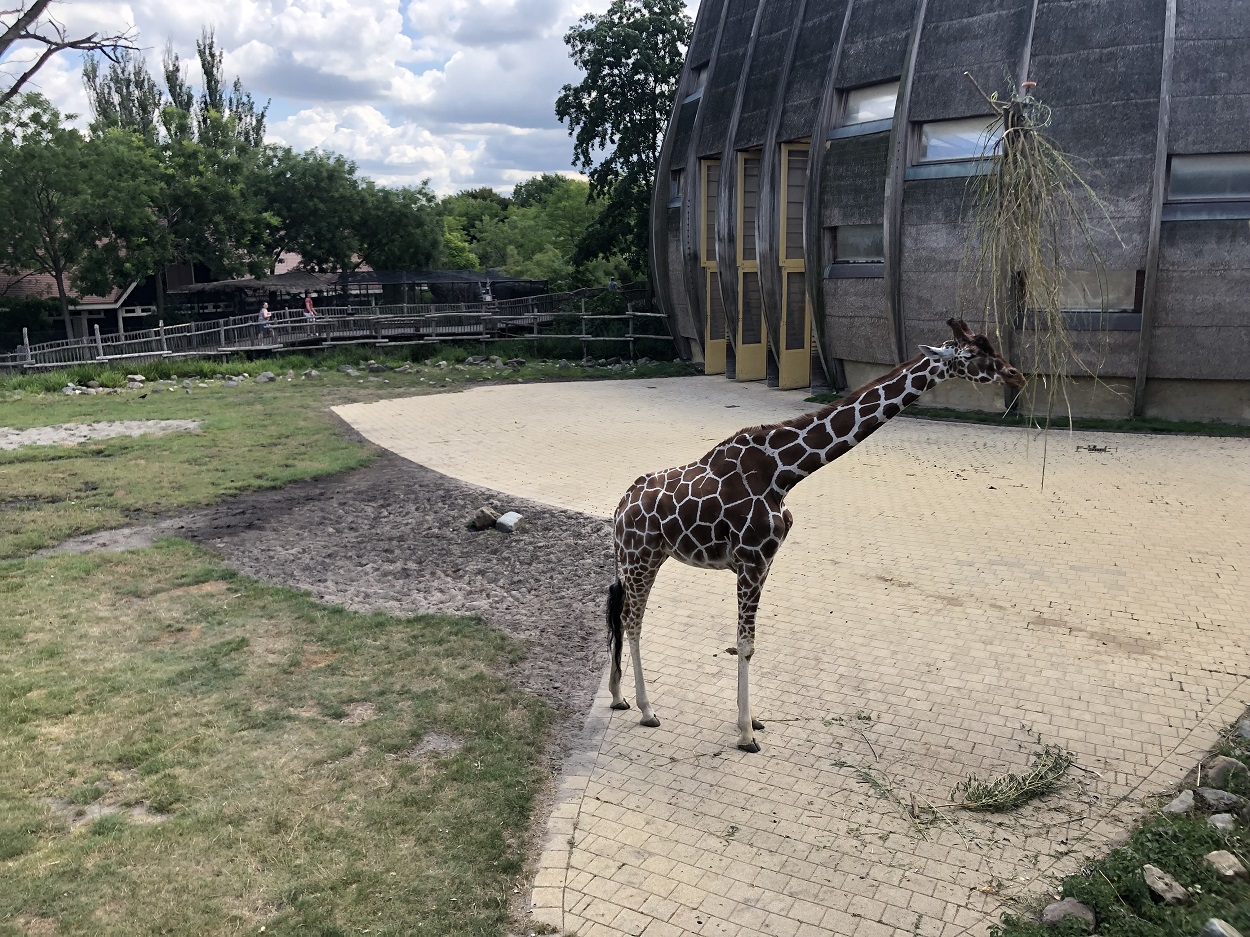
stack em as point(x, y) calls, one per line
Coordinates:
point(631, 57)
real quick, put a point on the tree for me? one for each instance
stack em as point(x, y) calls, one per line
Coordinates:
point(124, 97)
point(457, 252)
point(632, 59)
point(216, 118)
point(44, 186)
point(31, 22)
point(319, 204)
point(400, 229)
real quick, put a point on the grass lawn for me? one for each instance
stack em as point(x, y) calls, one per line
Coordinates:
point(186, 751)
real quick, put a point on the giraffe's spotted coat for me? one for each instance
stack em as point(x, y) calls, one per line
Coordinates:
point(727, 509)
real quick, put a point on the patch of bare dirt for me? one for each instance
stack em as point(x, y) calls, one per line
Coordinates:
point(76, 816)
point(70, 434)
point(432, 743)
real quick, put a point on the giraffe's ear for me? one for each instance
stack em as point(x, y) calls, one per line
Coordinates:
point(938, 352)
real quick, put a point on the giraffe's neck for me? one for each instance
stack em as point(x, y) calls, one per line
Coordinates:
point(831, 431)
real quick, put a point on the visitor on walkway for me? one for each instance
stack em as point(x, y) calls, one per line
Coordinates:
point(309, 312)
point(612, 286)
point(263, 320)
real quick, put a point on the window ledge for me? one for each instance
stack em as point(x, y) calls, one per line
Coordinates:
point(674, 202)
point(952, 169)
point(1121, 321)
point(850, 271)
point(861, 130)
point(1206, 210)
point(692, 97)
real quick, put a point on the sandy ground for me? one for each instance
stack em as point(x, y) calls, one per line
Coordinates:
point(70, 434)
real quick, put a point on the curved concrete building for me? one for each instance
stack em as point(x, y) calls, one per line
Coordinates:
point(810, 218)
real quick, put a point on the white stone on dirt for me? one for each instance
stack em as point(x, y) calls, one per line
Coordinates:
point(1183, 803)
point(262, 379)
point(1057, 912)
point(1223, 822)
point(1166, 888)
point(231, 383)
point(1221, 769)
point(510, 522)
point(136, 378)
point(73, 433)
point(515, 362)
point(1214, 927)
point(1226, 865)
point(311, 373)
point(134, 385)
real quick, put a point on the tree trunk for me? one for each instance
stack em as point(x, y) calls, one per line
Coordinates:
point(160, 291)
point(64, 298)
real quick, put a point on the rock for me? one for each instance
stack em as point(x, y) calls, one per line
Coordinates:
point(1223, 822)
point(510, 522)
point(644, 361)
point(442, 365)
point(290, 375)
point(375, 367)
point(95, 385)
point(311, 373)
point(268, 374)
point(515, 362)
point(484, 519)
point(1183, 803)
point(1242, 732)
point(69, 390)
point(475, 359)
point(1226, 865)
point(1220, 769)
point(136, 378)
point(262, 379)
point(231, 383)
point(346, 369)
point(91, 391)
point(134, 385)
point(1214, 927)
point(562, 363)
point(1059, 911)
point(613, 361)
point(1166, 888)
point(495, 359)
point(617, 367)
point(188, 383)
point(1221, 801)
point(404, 369)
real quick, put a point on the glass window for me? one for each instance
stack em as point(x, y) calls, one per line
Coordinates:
point(711, 183)
point(876, 102)
point(858, 244)
point(750, 204)
point(698, 78)
point(674, 183)
point(968, 138)
point(1216, 176)
point(1098, 291)
point(796, 192)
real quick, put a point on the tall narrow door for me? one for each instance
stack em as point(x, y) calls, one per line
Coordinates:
point(714, 308)
point(751, 341)
point(794, 358)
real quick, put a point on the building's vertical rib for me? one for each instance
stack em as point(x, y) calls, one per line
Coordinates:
point(768, 215)
point(1027, 52)
point(727, 198)
point(692, 201)
point(1150, 289)
point(812, 248)
point(893, 233)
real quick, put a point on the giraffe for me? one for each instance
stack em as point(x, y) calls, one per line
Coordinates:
point(727, 510)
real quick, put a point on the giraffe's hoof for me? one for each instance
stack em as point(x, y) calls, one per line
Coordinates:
point(623, 704)
point(756, 725)
point(651, 722)
point(752, 747)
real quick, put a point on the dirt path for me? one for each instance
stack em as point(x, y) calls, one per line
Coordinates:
point(391, 537)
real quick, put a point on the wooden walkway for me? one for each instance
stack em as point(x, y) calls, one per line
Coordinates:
point(553, 316)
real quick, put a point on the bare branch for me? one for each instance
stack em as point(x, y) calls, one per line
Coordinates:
point(28, 27)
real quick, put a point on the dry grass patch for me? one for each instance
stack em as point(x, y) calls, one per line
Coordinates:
point(273, 740)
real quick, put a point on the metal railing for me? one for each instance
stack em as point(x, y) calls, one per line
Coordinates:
point(531, 318)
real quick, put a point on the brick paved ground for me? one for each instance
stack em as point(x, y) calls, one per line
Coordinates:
point(935, 612)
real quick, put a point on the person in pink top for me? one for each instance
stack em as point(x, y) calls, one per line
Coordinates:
point(309, 312)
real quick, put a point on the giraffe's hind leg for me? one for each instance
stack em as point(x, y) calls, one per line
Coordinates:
point(750, 586)
point(636, 587)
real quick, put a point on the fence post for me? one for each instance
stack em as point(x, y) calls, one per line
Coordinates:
point(26, 343)
point(629, 309)
point(161, 328)
point(221, 333)
point(99, 345)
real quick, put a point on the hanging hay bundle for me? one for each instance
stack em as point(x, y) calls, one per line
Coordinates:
point(1029, 217)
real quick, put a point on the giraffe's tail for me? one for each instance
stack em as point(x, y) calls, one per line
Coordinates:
point(616, 605)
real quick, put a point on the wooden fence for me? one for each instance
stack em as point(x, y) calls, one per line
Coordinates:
point(531, 318)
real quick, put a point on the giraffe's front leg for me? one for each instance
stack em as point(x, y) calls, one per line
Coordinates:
point(636, 588)
point(750, 586)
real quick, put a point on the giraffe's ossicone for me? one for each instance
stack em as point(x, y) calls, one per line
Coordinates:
point(727, 509)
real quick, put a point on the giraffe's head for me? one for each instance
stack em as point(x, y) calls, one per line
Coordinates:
point(973, 358)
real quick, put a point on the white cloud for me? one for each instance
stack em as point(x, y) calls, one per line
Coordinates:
point(458, 91)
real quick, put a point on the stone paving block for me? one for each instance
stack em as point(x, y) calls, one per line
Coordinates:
point(930, 582)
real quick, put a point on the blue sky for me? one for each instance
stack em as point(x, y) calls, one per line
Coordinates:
point(461, 92)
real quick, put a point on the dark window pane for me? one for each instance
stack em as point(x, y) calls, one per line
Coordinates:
point(1220, 176)
point(712, 181)
point(859, 244)
point(968, 138)
point(716, 307)
point(796, 312)
point(796, 190)
point(1098, 290)
point(751, 315)
point(750, 202)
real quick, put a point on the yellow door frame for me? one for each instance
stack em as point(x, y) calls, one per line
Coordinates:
point(751, 359)
point(713, 348)
point(793, 364)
